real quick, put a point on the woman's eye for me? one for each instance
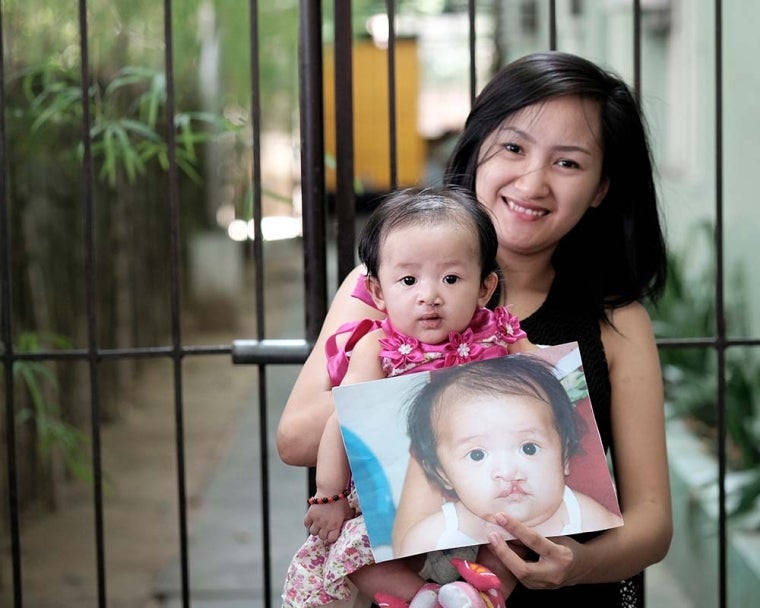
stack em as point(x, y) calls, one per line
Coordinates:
point(408, 281)
point(450, 279)
point(529, 449)
point(514, 148)
point(476, 455)
point(568, 164)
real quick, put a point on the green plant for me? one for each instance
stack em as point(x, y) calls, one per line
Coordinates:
point(52, 433)
point(126, 119)
point(687, 310)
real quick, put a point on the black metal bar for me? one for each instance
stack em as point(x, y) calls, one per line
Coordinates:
point(248, 351)
point(282, 351)
point(720, 316)
point(553, 25)
point(7, 341)
point(345, 200)
point(91, 289)
point(393, 159)
point(473, 53)
point(637, 49)
point(174, 289)
point(312, 164)
point(258, 240)
point(270, 351)
point(258, 256)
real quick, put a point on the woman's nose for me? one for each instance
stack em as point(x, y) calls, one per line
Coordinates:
point(532, 183)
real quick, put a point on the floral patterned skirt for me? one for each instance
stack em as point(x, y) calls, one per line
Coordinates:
point(318, 572)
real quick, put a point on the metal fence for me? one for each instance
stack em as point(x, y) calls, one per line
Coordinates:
point(260, 351)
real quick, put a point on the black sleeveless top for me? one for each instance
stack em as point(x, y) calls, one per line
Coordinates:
point(561, 319)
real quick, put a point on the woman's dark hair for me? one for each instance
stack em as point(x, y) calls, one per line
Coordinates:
point(616, 254)
point(429, 206)
point(521, 375)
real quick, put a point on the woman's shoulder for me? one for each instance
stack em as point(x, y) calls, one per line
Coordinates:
point(627, 322)
point(629, 338)
point(423, 534)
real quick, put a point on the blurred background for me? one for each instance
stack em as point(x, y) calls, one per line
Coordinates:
point(129, 265)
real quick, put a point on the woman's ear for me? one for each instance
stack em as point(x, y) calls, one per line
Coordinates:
point(375, 291)
point(487, 287)
point(604, 187)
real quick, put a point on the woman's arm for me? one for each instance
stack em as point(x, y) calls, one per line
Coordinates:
point(309, 404)
point(640, 460)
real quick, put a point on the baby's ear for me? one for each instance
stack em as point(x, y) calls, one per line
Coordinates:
point(446, 483)
point(487, 287)
point(375, 291)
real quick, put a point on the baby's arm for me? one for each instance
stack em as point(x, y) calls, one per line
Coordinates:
point(522, 346)
point(309, 404)
point(333, 472)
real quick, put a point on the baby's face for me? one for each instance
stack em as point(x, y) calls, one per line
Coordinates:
point(501, 454)
point(430, 280)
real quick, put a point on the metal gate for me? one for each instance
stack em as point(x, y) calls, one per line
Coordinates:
point(261, 351)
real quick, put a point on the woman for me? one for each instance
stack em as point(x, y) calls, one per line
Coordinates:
point(556, 148)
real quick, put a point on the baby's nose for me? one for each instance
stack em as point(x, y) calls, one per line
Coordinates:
point(429, 295)
point(505, 468)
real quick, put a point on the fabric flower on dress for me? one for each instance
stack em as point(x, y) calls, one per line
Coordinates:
point(509, 325)
point(401, 351)
point(461, 348)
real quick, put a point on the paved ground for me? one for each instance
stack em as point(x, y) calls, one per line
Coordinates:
point(223, 485)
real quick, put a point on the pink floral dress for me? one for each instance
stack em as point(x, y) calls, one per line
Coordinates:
point(318, 572)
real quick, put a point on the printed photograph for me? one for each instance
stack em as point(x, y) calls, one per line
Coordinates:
point(434, 455)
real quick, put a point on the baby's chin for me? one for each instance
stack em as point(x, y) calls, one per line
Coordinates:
point(524, 514)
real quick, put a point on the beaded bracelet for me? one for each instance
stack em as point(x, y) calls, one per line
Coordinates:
point(323, 500)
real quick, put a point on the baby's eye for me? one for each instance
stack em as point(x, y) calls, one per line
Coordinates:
point(408, 281)
point(529, 449)
point(476, 455)
point(450, 279)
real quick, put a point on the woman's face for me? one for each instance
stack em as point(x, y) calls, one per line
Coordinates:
point(540, 171)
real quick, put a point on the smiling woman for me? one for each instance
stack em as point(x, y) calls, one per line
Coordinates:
point(579, 246)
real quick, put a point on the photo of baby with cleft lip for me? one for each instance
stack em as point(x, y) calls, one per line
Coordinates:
point(513, 435)
point(498, 438)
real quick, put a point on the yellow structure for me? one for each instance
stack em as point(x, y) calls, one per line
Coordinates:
point(371, 117)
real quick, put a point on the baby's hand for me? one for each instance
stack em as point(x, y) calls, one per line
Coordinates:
point(326, 520)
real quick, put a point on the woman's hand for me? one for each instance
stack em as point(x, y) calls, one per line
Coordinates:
point(536, 561)
point(326, 520)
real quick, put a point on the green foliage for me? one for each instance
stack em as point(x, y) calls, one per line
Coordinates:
point(126, 130)
point(687, 310)
point(575, 385)
point(51, 432)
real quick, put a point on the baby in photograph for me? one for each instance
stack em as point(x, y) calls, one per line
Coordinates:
point(497, 437)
